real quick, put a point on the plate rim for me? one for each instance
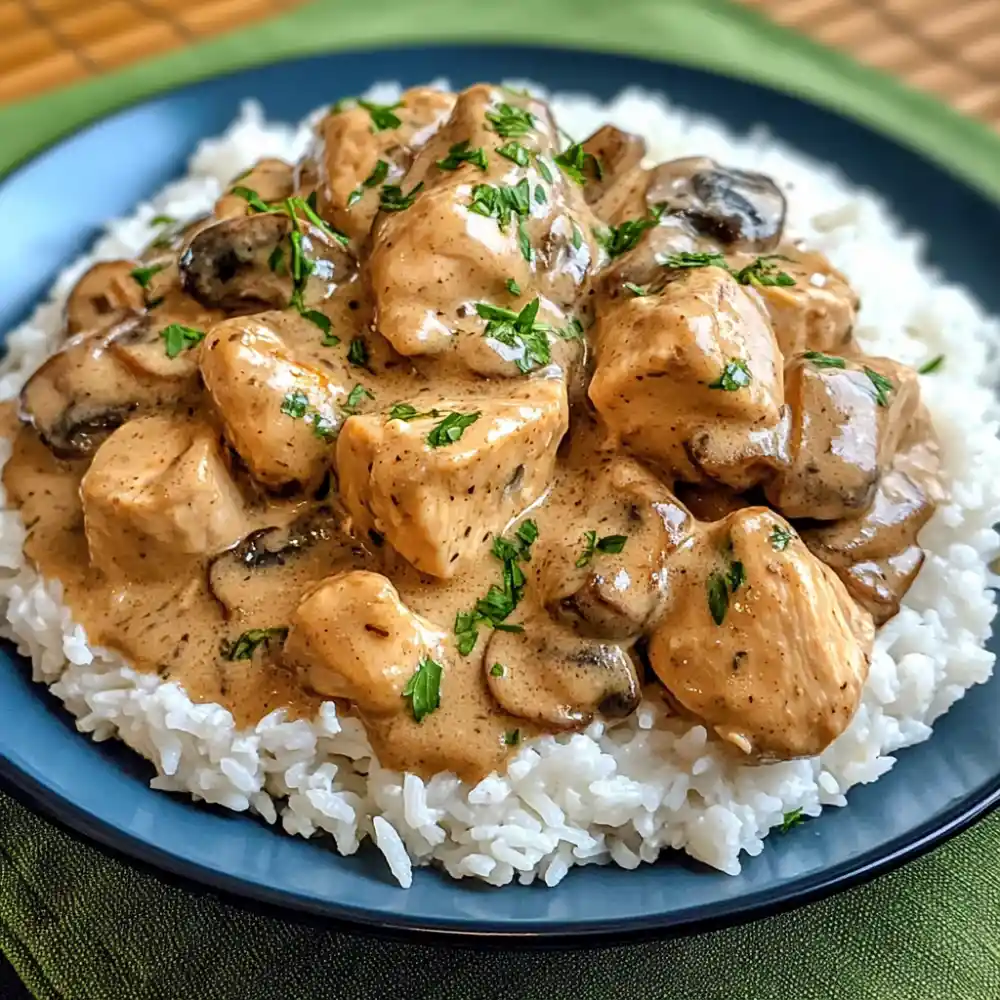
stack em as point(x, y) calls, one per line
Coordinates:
point(804, 889)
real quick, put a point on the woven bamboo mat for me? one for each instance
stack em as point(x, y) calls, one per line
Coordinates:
point(949, 48)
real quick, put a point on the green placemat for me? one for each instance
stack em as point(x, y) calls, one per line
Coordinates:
point(79, 925)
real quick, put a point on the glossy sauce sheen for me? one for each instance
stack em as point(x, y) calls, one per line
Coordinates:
point(257, 481)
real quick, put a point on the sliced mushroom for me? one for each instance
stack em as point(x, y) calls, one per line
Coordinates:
point(88, 389)
point(549, 675)
point(735, 208)
point(244, 264)
point(104, 295)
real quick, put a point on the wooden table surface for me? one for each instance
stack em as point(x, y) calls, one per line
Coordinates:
point(949, 48)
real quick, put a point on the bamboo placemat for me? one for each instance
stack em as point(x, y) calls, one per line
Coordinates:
point(951, 49)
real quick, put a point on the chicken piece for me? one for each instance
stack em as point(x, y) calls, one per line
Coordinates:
point(817, 313)
point(157, 498)
point(272, 180)
point(549, 675)
point(350, 145)
point(105, 294)
point(355, 639)
point(469, 231)
point(762, 642)
point(604, 539)
point(618, 156)
point(847, 420)
point(876, 555)
point(281, 416)
point(97, 381)
point(691, 379)
point(436, 498)
point(246, 263)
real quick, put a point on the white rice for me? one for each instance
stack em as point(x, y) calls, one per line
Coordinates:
point(616, 795)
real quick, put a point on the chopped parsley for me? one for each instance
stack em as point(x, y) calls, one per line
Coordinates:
point(573, 330)
point(791, 819)
point(718, 597)
point(609, 543)
point(178, 338)
point(357, 353)
point(686, 259)
point(821, 360)
point(245, 645)
point(620, 239)
point(376, 177)
point(295, 404)
point(497, 670)
point(499, 602)
point(253, 200)
point(780, 539)
point(392, 199)
point(162, 220)
point(882, 386)
point(735, 375)
point(356, 396)
point(461, 153)
point(142, 275)
point(523, 241)
point(931, 366)
point(636, 290)
point(762, 271)
point(518, 330)
point(424, 688)
point(382, 115)
point(330, 340)
point(307, 207)
point(573, 162)
point(501, 202)
point(540, 194)
point(512, 737)
point(276, 262)
point(509, 122)
point(318, 319)
point(451, 428)
point(407, 412)
point(512, 286)
point(516, 153)
point(543, 169)
point(577, 239)
point(736, 577)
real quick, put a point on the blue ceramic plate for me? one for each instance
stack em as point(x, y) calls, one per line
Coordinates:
point(58, 202)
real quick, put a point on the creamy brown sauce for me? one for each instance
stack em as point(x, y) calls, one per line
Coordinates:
point(257, 479)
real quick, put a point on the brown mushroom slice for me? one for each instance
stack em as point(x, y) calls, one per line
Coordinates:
point(876, 555)
point(709, 501)
point(761, 640)
point(618, 156)
point(245, 263)
point(847, 420)
point(737, 209)
point(691, 379)
point(104, 295)
point(549, 675)
point(85, 391)
point(271, 179)
point(604, 540)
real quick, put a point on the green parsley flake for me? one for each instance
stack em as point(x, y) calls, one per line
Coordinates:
point(573, 161)
point(392, 199)
point(512, 737)
point(780, 539)
point(451, 428)
point(523, 241)
point(142, 275)
point(509, 122)
point(162, 220)
point(609, 543)
point(718, 597)
point(317, 319)
point(516, 153)
point(461, 153)
point(689, 260)
point(931, 366)
point(763, 272)
point(617, 240)
point(821, 360)
point(636, 290)
point(577, 237)
point(736, 375)
point(178, 338)
point(357, 353)
point(497, 670)
point(512, 286)
point(254, 200)
point(407, 412)
point(424, 688)
point(382, 115)
point(736, 577)
point(244, 646)
point(355, 396)
point(295, 404)
point(501, 202)
point(518, 330)
point(543, 168)
point(791, 819)
point(375, 178)
point(276, 262)
point(882, 386)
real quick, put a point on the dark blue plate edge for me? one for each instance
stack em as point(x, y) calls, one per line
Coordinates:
point(86, 827)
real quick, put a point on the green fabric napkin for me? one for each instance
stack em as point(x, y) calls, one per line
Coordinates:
point(79, 925)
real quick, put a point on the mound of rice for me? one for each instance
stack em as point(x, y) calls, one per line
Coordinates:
point(606, 795)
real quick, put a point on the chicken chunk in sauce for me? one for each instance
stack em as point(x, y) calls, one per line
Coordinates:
point(472, 432)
